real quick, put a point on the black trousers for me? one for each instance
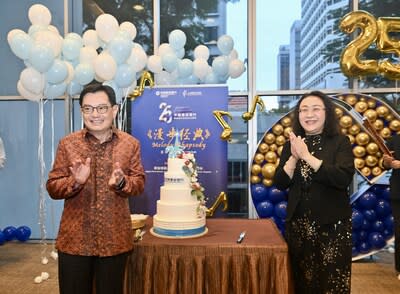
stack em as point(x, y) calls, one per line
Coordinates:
point(395, 203)
point(80, 274)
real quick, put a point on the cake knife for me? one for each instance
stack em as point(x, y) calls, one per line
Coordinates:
point(241, 237)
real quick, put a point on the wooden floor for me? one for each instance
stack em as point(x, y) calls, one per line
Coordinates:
point(20, 263)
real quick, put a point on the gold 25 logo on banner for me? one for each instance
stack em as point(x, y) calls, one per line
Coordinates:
point(371, 30)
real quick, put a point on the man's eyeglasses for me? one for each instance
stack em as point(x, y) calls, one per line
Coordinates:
point(101, 109)
point(306, 110)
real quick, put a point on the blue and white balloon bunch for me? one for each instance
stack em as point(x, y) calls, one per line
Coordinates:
point(57, 65)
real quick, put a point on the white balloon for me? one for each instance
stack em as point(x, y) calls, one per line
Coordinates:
point(137, 59)
point(12, 33)
point(165, 48)
point(163, 78)
point(71, 72)
point(76, 37)
point(39, 14)
point(53, 29)
point(185, 68)
point(106, 26)
point(200, 68)
point(201, 51)
point(91, 39)
point(130, 28)
point(233, 54)
point(26, 94)
point(236, 68)
point(154, 63)
point(87, 54)
point(105, 66)
point(32, 80)
point(180, 53)
point(177, 39)
point(49, 39)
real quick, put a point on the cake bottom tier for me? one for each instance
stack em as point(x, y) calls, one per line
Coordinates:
point(179, 229)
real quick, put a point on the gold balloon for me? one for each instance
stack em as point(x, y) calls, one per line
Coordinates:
point(273, 147)
point(354, 129)
point(359, 163)
point(371, 160)
point(378, 124)
point(361, 106)
point(351, 138)
point(263, 147)
point(362, 138)
point(366, 171)
point(344, 131)
point(286, 122)
point(389, 117)
point(280, 140)
point(258, 158)
point(255, 179)
point(255, 169)
point(267, 182)
point(371, 115)
point(270, 157)
point(269, 138)
point(394, 125)
point(380, 163)
point(339, 112)
point(346, 121)
point(382, 111)
point(351, 99)
point(277, 129)
point(268, 170)
point(359, 151)
point(376, 171)
point(350, 61)
point(279, 150)
point(372, 148)
point(371, 103)
point(287, 131)
point(385, 133)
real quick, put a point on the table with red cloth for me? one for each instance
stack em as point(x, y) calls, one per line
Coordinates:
point(214, 263)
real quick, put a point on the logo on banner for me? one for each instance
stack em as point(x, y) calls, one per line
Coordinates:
point(179, 113)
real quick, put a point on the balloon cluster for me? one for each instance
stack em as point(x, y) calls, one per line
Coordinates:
point(10, 233)
point(372, 220)
point(108, 54)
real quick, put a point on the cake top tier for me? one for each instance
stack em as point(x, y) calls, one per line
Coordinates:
point(175, 150)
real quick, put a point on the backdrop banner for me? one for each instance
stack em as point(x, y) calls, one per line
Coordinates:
point(156, 117)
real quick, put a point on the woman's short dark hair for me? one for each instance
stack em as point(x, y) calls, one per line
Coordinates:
point(97, 87)
point(331, 126)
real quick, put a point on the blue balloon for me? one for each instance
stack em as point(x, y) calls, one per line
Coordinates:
point(275, 195)
point(354, 237)
point(354, 251)
point(225, 44)
point(84, 73)
point(357, 218)
point(21, 45)
point(388, 221)
point(55, 90)
point(364, 247)
point(9, 233)
point(383, 208)
point(369, 215)
point(387, 233)
point(265, 209)
point(120, 48)
point(124, 76)
point(385, 193)
point(169, 62)
point(366, 225)
point(259, 192)
point(376, 240)
point(220, 65)
point(41, 57)
point(23, 233)
point(367, 200)
point(2, 238)
point(280, 209)
point(362, 235)
point(57, 73)
point(378, 226)
point(177, 39)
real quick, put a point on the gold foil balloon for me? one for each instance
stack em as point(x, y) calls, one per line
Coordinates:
point(394, 125)
point(366, 171)
point(267, 182)
point(351, 138)
point(344, 131)
point(362, 138)
point(382, 111)
point(280, 140)
point(371, 103)
point(258, 158)
point(263, 147)
point(345, 121)
point(255, 169)
point(287, 131)
point(354, 130)
point(372, 148)
point(371, 160)
point(255, 179)
point(359, 163)
point(359, 151)
point(286, 122)
point(351, 99)
point(279, 150)
point(371, 115)
point(376, 171)
point(380, 163)
point(273, 147)
point(277, 129)
point(389, 117)
point(338, 112)
point(270, 157)
point(378, 124)
point(268, 170)
point(385, 133)
point(269, 138)
point(361, 106)
point(350, 62)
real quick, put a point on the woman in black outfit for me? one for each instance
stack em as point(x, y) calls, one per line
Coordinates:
point(317, 167)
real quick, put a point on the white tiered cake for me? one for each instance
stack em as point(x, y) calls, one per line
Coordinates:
point(180, 210)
